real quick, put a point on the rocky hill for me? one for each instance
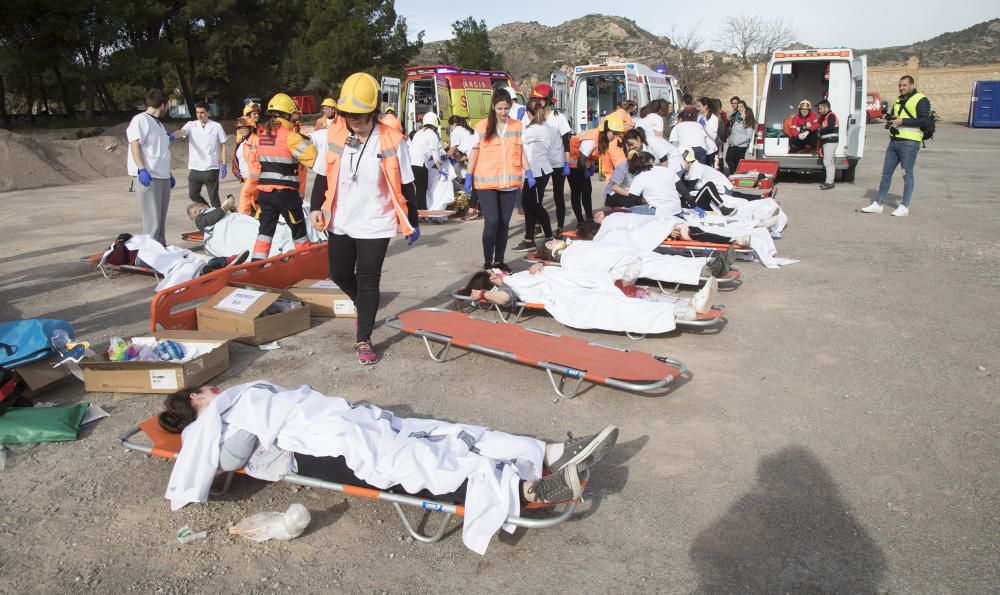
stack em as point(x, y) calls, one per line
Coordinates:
point(979, 44)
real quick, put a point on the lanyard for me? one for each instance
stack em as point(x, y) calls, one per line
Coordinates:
point(354, 173)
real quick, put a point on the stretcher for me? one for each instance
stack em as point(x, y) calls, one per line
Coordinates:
point(712, 318)
point(692, 247)
point(109, 270)
point(756, 176)
point(571, 358)
point(193, 236)
point(174, 307)
point(729, 280)
point(166, 445)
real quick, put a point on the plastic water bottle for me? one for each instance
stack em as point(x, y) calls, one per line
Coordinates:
point(274, 525)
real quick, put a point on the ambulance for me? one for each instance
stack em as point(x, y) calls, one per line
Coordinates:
point(596, 89)
point(446, 91)
point(793, 75)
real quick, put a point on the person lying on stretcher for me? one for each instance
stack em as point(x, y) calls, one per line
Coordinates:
point(679, 230)
point(596, 293)
point(228, 233)
point(257, 426)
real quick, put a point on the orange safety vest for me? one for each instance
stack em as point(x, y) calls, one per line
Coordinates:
point(389, 141)
point(322, 122)
point(277, 167)
point(590, 134)
point(248, 191)
point(392, 121)
point(498, 165)
point(612, 157)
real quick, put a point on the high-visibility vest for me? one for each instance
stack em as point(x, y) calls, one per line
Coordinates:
point(389, 141)
point(913, 133)
point(249, 191)
point(626, 118)
point(612, 157)
point(322, 122)
point(590, 134)
point(392, 122)
point(278, 168)
point(498, 165)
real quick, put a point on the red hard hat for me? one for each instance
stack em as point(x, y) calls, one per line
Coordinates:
point(543, 90)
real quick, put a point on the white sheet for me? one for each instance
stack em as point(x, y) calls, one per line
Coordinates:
point(587, 300)
point(380, 448)
point(236, 233)
point(440, 191)
point(614, 259)
point(643, 233)
point(175, 265)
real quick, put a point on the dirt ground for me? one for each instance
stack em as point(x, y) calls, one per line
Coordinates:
point(838, 435)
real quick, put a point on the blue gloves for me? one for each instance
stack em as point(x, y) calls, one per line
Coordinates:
point(223, 171)
point(566, 170)
point(701, 212)
point(468, 184)
point(443, 174)
point(590, 171)
point(173, 182)
point(172, 137)
point(144, 178)
point(530, 177)
point(413, 237)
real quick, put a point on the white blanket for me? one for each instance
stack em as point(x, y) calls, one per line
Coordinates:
point(619, 261)
point(380, 448)
point(739, 224)
point(440, 191)
point(236, 233)
point(175, 265)
point(642, 233)
point(588, 300)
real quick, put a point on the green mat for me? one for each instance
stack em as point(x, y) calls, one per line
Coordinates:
point(23, 425)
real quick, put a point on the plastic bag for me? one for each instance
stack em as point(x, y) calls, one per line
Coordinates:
point(274, 525)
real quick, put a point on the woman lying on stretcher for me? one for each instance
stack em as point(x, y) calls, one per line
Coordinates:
point(256, 427)
point(496, 287)
point(683, 231)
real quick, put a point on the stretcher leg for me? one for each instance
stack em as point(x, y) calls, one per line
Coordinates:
point(442, 355)
point(561, 385)
point(635, 336)
point(421, 537)
point(216, 492)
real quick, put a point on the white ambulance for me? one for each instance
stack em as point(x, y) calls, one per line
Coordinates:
point(596, 89)
point(793, 75)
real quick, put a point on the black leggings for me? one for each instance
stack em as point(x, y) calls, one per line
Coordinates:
point(420, 180)
point(496, 206)
point(579, 194)
point(356, 267)
point(558, 197)
point(700, 235)
point(534, 211)
point(708, 197)
point(733, 157)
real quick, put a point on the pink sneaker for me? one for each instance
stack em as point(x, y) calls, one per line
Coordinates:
point(366, 355)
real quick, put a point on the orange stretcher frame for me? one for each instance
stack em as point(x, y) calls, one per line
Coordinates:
point(174, 308)
point(166, 446)
point(691, 246)
point(569, 357)
point(730, 280)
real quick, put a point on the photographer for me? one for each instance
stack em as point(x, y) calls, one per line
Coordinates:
point(906, 122)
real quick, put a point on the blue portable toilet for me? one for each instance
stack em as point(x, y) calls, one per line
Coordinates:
point(984, 110)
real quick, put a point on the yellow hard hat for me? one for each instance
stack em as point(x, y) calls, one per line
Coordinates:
point(250, 108)
point(614, 123)
point(359, 95)
point(282, 103)
point(328, 102)
point(805, 103)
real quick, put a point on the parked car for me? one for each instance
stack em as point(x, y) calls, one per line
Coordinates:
point(873, 105)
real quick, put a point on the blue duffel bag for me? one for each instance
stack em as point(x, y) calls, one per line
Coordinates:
point(25, 341)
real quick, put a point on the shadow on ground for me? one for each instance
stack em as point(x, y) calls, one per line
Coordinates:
point(791, 533)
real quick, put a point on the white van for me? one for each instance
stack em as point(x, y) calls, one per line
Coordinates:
point(794, 75)
point(596, 89)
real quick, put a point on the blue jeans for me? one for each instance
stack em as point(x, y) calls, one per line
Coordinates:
point(899, 152)
point(643, 210)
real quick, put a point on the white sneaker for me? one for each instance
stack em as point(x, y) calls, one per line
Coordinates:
point(872, 208)
point(901, 211)
point(702, 301)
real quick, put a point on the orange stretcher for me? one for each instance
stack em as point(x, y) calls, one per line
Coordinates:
point(193, 236)
point(692, 247)
point(174, 308)
point(729, 280)
point(569, 357)
point(166, 445)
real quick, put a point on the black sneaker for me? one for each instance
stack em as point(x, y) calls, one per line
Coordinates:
point(503, 267)
point(525, 246)
point(584, 453)
point(730, 257)
point(487, 266)
point(559, 232)
point(560, 486)
point(716, 266)
point(826, 186)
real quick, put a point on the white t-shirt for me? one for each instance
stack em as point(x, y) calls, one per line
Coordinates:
point(319, 140)
point(464, 140)
point(658, 187)
point(652, 124)
point(701, 174)
point(661, 147)
point(203, 144)
point(560, 125)
point(711, 125)
point(364, 209)
point(425, 148)
point(537, 140)
point(692, 134)
point(154, 143)
point(241, 159)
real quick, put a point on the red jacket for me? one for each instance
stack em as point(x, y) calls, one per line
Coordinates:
point(810, 123)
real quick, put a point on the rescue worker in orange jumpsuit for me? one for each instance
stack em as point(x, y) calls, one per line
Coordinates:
point(243, 155)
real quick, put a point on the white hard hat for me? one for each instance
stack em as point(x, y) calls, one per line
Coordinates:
point(431, 119)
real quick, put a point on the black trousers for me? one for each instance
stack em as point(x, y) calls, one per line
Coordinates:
point(558, 197)
point(802, 146)
point(700, 235)
point(534, 210)
point(733, 157)
point(356, 267)
point(210, 180)
point(496, 206)
point(580, 190)
point(420, 180)
point(281, 203)
point(614, 200)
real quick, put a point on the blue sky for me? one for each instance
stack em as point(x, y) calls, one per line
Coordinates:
point(852, 23)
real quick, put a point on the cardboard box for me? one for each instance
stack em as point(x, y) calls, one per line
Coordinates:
point(106, 376)
point(239, 313)
point(40, 375)
point(324, 298)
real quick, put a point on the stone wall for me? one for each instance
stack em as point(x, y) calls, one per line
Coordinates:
point(949, 89)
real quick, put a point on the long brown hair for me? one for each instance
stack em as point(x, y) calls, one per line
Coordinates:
point(602, 139)
point(491, 119)
point(536, 107)
point(748, 118)
point(178, 412)
point(653, 107)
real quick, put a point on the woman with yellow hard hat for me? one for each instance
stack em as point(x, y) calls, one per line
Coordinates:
point(279, 152)
point(365, 196)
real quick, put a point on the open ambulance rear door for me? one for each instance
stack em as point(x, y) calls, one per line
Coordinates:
point(560, 90)
point(857, 125)
point(390, 93)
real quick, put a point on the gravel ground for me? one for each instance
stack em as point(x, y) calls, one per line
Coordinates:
point(839, 434)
